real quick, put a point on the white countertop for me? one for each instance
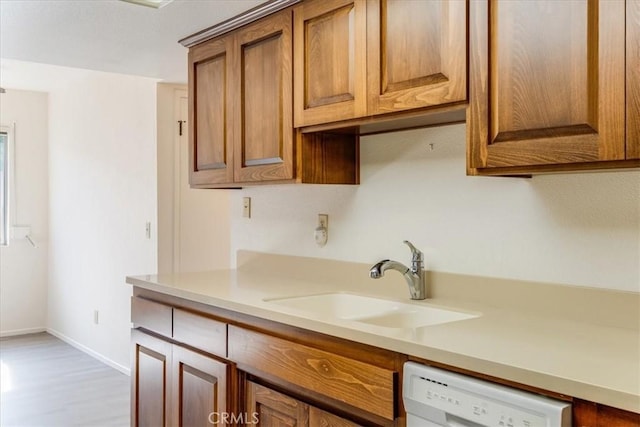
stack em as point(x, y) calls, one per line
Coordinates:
point(564, 351)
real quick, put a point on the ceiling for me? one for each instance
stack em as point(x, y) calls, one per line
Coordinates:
point(109, 35)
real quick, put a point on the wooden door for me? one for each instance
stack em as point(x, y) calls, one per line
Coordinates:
point(416, 53)
point(330, 76)
point(262, 82)
point(633, 79)
point(150, 375)
point(547, 83)
point(199, 389)
point(210, 113)
point(274, 409)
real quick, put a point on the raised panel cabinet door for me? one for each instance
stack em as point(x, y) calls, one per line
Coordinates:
point(547, 82)
point(210, 113)
point(150, 376)
point(416, 53)
point(263, 141)
point(272, 409)
point(330, 76)
point(320, 418)
point(199, 390)
point(633, 79)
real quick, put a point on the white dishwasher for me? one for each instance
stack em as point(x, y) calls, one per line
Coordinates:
point(435, 397)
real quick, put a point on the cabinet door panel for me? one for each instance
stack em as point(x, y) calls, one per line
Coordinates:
point(199, 389)
point(330, 61)
point(150, 376)
point(319, 418)
point(416, 53)
point(274, 409)
point(264, 142)
point(210, 115)
point(633, 79)
point(547, 82)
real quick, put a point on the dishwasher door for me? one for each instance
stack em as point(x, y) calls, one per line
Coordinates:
point(434, 397)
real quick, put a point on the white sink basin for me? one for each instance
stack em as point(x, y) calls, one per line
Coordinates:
point(373, 311)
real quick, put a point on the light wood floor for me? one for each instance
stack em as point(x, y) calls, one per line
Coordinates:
point(46, 382)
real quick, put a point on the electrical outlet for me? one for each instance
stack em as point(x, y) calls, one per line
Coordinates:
point(246, 207)
point(96, 317)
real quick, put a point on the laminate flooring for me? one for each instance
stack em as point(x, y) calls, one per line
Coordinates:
point(46, 382)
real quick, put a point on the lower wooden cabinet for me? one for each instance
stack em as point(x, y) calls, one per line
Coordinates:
point(590, 414)
point(273, 409)
point(268, 374)
point(150, 383)
point(199, 387)
point(174, 386)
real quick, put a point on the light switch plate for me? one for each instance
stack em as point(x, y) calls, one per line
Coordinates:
point(246, 207)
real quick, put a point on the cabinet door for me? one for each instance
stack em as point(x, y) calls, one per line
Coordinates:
point(274, 409)
point(330, 76)
point(150, 371)
point(416, 53)
point(547, 82)
point(210, 113)
point(262, 82)
point(319, 418)
point(633, 79)
point(199, 389)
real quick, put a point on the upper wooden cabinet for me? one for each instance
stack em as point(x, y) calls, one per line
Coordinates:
point(633, 79)
point(211, 112)
point(330, 61)
point(356, 58)
point(547, 85)
point(261, 82)
point(241, 114)
point(416, 53)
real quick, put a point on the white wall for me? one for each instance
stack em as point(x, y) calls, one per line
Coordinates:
point(102, 191)
point(23, 268)
point(581, 229)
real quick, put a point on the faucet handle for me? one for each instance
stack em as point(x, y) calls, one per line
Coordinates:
point(416, 254)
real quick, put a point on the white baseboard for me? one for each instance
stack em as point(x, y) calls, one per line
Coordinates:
point(125, 370)
point(21, 332)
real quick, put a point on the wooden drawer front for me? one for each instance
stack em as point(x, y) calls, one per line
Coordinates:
point(356, 383)
point(200, 332)
point(152, 316)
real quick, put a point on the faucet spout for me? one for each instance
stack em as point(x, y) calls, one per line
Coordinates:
point(414, 275)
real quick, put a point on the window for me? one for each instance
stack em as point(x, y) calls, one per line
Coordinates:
point(4, 188)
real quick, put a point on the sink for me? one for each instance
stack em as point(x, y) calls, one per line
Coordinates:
point(372, 311)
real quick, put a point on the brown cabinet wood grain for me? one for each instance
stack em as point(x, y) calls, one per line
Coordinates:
point(329, 61)
point(241, 115)
point(211, 121)
point(547, 84)
point(590, 414)
point(363, 58)
point(262, 87)
point(633, 79)
point(355, 383)
point(416, 53)
point(174, 386)
point(150, 380)
point(274, 409)
point(199, 393)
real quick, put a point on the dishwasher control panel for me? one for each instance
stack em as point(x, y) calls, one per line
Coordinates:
point(444, 398)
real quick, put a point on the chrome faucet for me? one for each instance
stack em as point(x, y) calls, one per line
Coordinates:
point(414, 276)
